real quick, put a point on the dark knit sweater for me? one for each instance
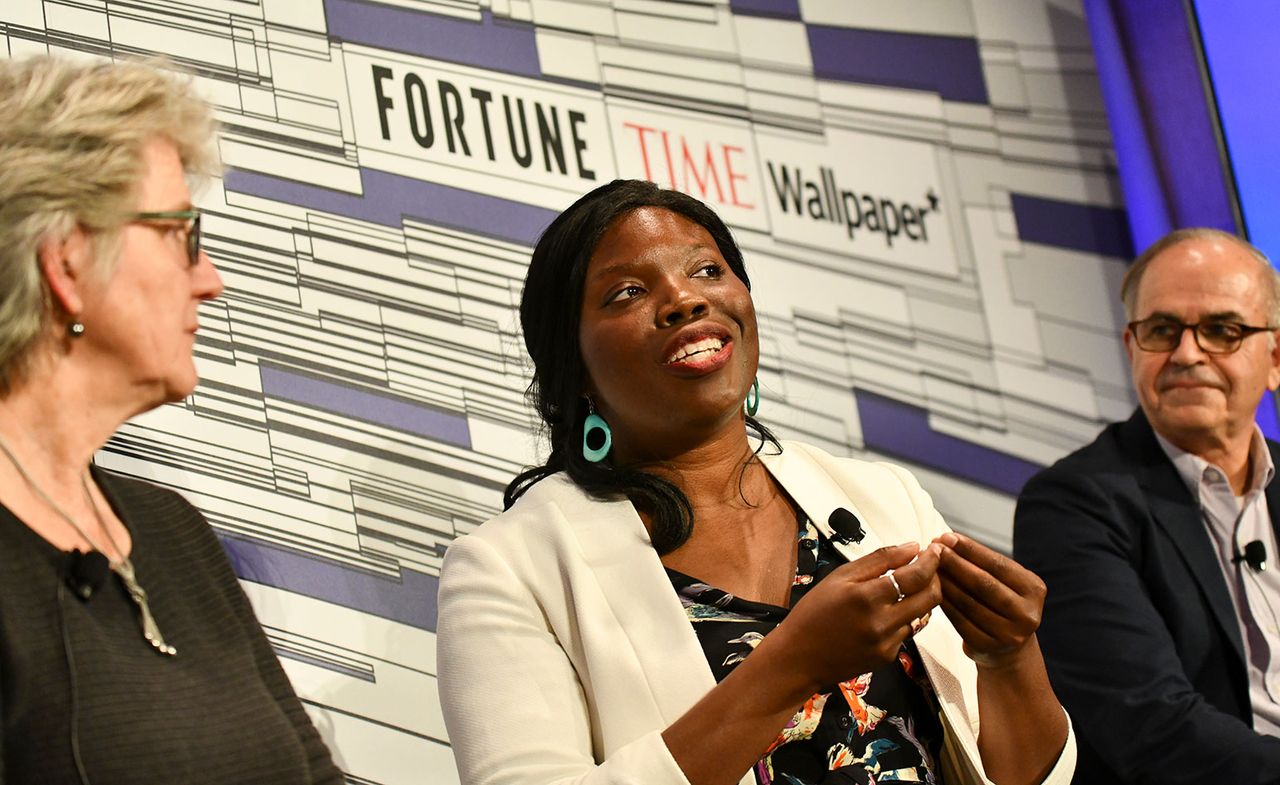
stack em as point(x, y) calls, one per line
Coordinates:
point(221, 711)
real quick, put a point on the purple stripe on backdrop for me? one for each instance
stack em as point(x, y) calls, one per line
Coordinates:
point(1080, 227)
point(902, 430)
point(1140, 176)
point(947, 65)
point(782, 9)
point(411, 599)
point(378, 408)
point(389, 197)
point(1267, 417)
point(499, 45)
point(1162, 54)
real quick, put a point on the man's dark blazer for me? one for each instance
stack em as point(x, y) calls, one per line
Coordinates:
point(1139, 631)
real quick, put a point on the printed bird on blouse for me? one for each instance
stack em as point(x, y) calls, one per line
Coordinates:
point(868, 716)
point(840, 756)
point(803, 723)
point(752, 639)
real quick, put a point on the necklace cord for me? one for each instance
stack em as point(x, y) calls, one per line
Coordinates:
point(53, 505)
point(123, 567)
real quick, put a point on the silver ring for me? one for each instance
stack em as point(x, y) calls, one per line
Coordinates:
point(896, 587)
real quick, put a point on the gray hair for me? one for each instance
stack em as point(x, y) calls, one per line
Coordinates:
point(1133, 277)
point(71, 140)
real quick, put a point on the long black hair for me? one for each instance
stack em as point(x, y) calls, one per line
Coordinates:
point(550, 313)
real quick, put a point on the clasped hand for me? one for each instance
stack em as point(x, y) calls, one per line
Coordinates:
point(992, 601)
point(853, 621)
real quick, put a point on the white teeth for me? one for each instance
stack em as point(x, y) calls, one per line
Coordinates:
point(697, 347)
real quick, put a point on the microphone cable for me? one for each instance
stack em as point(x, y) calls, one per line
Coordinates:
point(72, 680)
point(1254, 554)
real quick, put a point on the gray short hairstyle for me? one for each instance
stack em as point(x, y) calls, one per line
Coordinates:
point(71, 140)
point(1133, 277)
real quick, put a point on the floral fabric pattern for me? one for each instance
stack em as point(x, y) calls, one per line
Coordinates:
point(879, 727)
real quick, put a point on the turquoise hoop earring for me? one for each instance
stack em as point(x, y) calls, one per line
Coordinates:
point(595, 429)
point(753, 397)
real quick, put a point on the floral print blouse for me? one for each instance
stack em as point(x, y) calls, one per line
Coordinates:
point(880, 727)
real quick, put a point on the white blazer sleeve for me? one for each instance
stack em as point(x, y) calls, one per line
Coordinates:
point(512, 700)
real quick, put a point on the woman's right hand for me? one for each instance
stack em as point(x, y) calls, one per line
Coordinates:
point(852, 622)
point(849, 624)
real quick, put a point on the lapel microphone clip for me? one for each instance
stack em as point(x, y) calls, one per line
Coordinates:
point(847, 526)
point(1255, 555)
point(86, 573)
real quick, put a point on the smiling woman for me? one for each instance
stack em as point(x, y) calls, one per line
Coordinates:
point(667, 334)
point(684, 603)
point(578, 276)
point(101, 279)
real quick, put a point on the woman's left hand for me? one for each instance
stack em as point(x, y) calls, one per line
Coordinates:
point(993, 602)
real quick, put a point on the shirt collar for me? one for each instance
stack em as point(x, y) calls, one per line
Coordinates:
point(1195, 470)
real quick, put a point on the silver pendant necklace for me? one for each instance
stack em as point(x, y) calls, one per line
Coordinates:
point(122, 567)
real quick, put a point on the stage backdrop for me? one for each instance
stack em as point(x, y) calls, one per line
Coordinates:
point(924, 191)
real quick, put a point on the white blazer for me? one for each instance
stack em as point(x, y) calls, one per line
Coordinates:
point(564, 652)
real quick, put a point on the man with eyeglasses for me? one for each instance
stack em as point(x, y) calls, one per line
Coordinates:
point(1156, 541)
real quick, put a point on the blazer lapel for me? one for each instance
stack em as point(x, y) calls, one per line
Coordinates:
point(616, 547)
point(1273, 497)
point(818, 495)
point(1178, 514)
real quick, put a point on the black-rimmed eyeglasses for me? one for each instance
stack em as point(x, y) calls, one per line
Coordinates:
point(1162, 334)
point(164, 220)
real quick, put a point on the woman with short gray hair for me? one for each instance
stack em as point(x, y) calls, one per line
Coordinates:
point(128, 652)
